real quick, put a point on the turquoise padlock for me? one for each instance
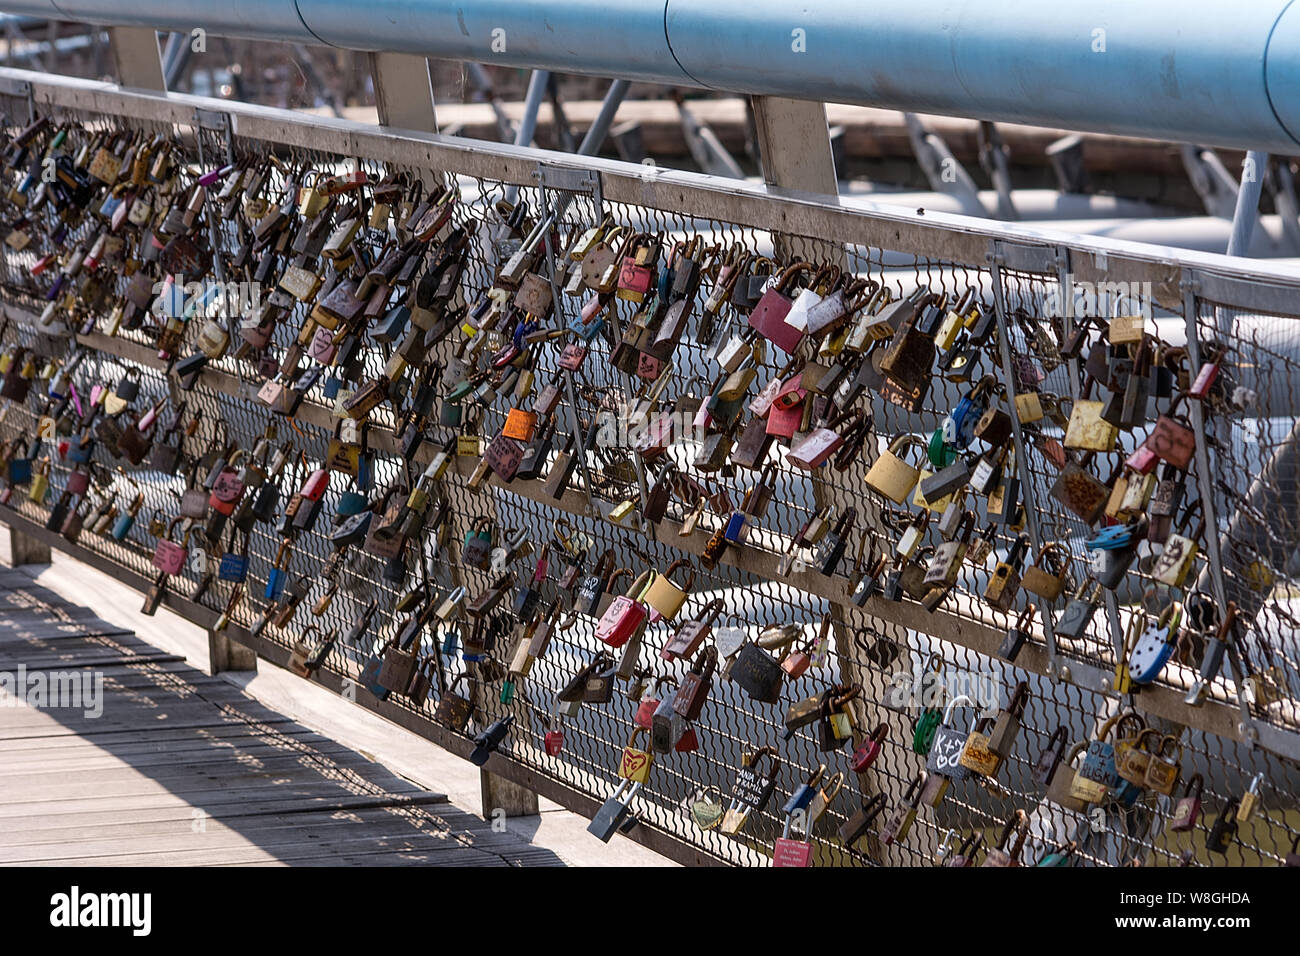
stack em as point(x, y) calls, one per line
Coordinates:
point(122, 526)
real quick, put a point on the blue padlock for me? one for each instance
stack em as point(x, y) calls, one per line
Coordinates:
point(20, 471)
point(1111, 539)
point(279, 573)
point(233, 567)
point(370, 676)
point(351, 503)
point(586, 330)
point(737, 527)
point(804, 793)
point(332, 386)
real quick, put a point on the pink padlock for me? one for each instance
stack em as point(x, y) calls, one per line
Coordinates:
point(866, 754)
point(322, 347)
point(78, 482)
point(168, 556)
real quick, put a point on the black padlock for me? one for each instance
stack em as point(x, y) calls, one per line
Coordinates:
point(59, 513)
point(831, 549)
point(489, 740)
point(304, 519)
point(128, 387)
point(216, 524)
point(155, 595)
point(266, 504)
point(1017, 635)
point(395, 568)
point(188, 369)
point(1224, 830)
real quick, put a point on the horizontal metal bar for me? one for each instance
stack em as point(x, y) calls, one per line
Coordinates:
point(938, 236)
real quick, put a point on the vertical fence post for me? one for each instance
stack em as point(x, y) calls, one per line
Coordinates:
point(24, 549)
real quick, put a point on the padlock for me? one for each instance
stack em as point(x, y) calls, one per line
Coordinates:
point(1187, 811)
point(1249, 800)
point(899, 824)
point(1003, 585)
point(752, 789)
point(1047, 583)
point(858, 823)
point(625, 614)
point(1017, 634)
point(1163, 773)
point(635, 762)
point(869, 749)
point(891, 475)
point(1007, 724)
point(1224, 831)
point(943, 757)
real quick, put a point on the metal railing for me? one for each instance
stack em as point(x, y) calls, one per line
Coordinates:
point(1202, 299)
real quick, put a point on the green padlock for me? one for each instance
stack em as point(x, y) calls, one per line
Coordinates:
point(925, 728)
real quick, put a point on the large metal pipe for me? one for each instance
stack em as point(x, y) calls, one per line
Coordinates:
point(1195, 71)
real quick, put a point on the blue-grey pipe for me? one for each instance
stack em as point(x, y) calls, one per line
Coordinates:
point(599, 129)
point(1198, 71)
point(528, 122)
point(1247, 212)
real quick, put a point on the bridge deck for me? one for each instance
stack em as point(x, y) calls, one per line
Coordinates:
point(184, 769)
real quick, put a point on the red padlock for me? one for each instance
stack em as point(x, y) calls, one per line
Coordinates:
point(866, 754)
point(314, 487)
point(688, 742)
point(229, 486)
point(554, 740)
point(797, 663)
point(625, 613)
point(650, 701)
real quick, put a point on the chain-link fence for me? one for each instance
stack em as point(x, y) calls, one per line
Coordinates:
point(1020, 316)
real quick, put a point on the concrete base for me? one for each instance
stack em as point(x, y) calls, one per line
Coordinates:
point(227, 655)
point(502, 794)
point(24, 549)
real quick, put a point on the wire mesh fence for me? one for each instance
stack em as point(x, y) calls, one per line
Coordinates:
point(887, 651)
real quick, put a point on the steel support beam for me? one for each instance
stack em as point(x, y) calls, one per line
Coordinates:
point(135, 55)
point(404, 91)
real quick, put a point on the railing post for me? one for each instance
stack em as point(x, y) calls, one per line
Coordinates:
point(24, 549)
point(227, 655)
point(500, 794)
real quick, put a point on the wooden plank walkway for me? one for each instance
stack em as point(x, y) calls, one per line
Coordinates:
point(183, 769)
